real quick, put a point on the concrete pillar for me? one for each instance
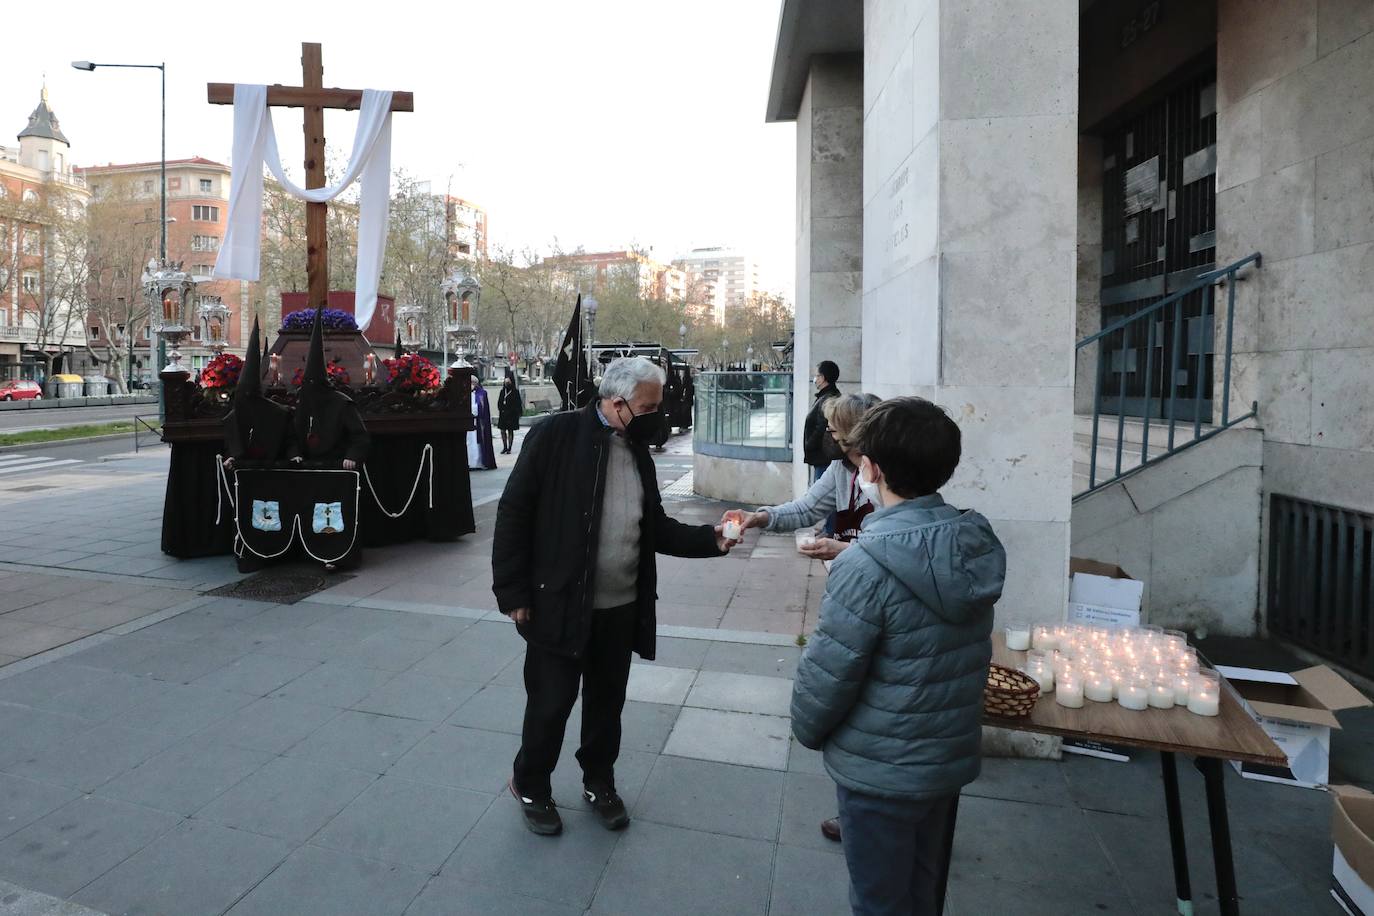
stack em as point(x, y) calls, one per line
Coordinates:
point(970, 211)
point(829, 233)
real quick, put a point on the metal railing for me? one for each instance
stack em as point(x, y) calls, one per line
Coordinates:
point(1154, 324)
point(141, 424)
point(744, 415)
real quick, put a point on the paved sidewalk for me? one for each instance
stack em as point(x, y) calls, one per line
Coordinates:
point(189, 754)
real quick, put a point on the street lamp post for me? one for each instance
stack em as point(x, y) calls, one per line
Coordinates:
point(590, 304)
point(749, 358)
point(682, 336)
point(162, 68)
point(89, 67)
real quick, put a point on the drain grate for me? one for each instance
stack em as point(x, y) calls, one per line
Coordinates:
point(280, 586)
point(31, 488)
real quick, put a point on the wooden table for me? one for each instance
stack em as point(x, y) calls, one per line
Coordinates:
point(1232, 735)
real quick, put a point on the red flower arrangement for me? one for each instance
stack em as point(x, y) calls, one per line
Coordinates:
point(222, 372)
point(411, 372)
point(336, 372)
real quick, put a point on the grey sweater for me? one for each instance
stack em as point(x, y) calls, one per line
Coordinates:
point(617, 548)
point(829, 493)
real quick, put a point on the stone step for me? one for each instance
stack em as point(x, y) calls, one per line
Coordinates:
point(1133, 429)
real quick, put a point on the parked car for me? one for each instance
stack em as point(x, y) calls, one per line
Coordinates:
point(20, 390)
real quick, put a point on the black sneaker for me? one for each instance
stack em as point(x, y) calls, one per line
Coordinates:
point(607, 806)
point(540, 816)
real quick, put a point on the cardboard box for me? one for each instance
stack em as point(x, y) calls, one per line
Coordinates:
point(1104, 595)
point(1298, 711)
point(1352, 862)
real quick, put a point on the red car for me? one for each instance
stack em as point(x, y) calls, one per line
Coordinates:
point(19, 390)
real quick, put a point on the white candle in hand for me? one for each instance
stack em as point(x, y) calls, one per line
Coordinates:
point(732, 530)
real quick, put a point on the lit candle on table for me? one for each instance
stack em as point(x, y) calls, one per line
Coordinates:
point(1068, 690)
point(1162, 695)
point(1204, 694)
point(275, 360)
point(1134, 694)
point(1097, 686)
point(1045, 638)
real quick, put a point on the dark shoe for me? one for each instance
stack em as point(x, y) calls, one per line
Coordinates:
point(830, 828)
point(540, 816)
point(607, 806)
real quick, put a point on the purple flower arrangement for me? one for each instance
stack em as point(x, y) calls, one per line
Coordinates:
point(334, 320)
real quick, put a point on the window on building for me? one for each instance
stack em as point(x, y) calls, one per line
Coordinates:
point(202, 270)
point(147, 187)
point(33, 242)
point(204, 243)
point(174, 184)
point(207, 185)
point(464, 248)
point(121, 304)
point(95, 332)
point(205, 214)
point(211, 300)
point(30, 196)
point(30, 281)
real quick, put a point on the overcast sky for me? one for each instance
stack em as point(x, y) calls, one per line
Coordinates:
point(600, 123)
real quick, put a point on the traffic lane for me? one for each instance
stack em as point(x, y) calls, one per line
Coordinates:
point(18, 421)
point(90, 450)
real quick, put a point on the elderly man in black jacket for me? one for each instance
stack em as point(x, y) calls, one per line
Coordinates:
point(573, 565)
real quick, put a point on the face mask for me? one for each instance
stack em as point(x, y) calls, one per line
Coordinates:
point(641, 427)
point(870, 489)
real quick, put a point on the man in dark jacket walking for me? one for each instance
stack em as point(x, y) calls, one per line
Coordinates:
point(817, 448)
point(573, 565)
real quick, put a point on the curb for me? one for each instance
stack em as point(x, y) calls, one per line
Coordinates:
point(72, 440)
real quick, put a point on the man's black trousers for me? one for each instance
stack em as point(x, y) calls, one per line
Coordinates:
point(551, 682)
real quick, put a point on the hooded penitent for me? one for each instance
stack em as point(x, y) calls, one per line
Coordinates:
point(328, 425)
point(256, 429)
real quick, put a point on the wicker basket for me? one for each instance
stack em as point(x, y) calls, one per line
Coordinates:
point(1009, 694)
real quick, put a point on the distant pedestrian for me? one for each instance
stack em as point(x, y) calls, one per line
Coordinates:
point(890, 685)
point(509, 408)
point(573, 565)
point(481, 455)
point(818, 447)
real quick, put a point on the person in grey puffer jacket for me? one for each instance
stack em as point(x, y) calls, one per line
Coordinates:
point(891, 683)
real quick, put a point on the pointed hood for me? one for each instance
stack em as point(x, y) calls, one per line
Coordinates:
point(400, 348)
point(314, 362)
point(250, 379)
point(950, 559)
point(266, 350)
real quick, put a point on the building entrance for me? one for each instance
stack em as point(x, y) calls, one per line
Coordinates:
point(1158, 234)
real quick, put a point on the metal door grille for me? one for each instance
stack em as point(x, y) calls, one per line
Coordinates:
point(1321, 580)
point(1158, 233)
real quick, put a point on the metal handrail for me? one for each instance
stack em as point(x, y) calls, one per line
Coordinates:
point(139, 421)
point(1227, 276)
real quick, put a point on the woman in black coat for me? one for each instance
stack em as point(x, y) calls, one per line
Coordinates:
point(509, 407)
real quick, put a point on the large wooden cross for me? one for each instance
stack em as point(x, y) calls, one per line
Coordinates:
point(314, 98)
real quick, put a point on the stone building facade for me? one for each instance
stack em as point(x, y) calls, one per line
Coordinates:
point(978, 190)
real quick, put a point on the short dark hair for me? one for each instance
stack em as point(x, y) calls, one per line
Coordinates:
point(829, 370)
point(913, 441)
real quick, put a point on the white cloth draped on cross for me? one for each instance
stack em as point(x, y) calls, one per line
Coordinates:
point(255, 142)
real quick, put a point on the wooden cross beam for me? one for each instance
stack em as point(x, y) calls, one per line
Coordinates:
point(314, 98)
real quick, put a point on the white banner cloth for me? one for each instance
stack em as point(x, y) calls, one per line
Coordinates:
point(255, 142)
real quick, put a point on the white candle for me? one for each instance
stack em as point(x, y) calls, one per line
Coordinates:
point(1181, 684)
point(1162, 695)
point(1098, 688)
point(1042, 673)
point(1018, 637)
point(1045, 638)
point(1133, 694)
point(1204, 695)
point(1069, 691)
point(731, 530)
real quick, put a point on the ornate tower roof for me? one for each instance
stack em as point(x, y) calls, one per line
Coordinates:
point(43, 123)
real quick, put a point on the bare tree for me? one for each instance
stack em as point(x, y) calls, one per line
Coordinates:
point(121, 240)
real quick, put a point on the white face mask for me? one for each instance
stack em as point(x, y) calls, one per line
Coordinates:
point(869, 487)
